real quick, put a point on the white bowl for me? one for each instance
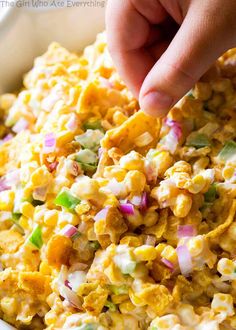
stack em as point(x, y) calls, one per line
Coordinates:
point(26, 33)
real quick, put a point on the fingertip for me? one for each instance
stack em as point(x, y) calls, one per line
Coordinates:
point(156, 103)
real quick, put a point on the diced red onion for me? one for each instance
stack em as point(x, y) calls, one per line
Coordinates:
point(185, 260)
point(186, 231)
point(8, 137)
point(49, 143)
point(76, 279)
point(67, 283)
point(144, 201)
point(69, 231)
point(3, 185)
point(150, 172)
point(176, 127)
point(167, 263)
point(13, 177)
point(73, 168)
point(52, 167)
point(171, 140)
point(21, 125)
point(72, 124)
point(139, 201)
point(100, 152)
point(127, 208)
point(70, 296)
point(101, 214)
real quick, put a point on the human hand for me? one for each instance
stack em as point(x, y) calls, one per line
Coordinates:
point(162, 47)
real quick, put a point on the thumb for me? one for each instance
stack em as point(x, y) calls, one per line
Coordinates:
point(197, 44)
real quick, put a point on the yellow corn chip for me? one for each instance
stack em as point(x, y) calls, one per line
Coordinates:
point(125, 135)
point(10, 152)
point(221, 228)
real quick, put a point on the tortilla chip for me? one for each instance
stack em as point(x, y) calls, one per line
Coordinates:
point(96, 100)
point(10, 152)
point(124, 136)
point(222, 228)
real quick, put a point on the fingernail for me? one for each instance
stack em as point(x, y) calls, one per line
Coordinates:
point(156, 103)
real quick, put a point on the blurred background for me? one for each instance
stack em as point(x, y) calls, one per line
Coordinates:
point(27, 27)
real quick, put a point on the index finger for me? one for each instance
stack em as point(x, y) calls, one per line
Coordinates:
point(128, 25)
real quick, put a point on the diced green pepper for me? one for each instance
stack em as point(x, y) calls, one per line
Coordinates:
point(123, 289)
point(15, 219)
point(111, 306)
point(65, 199)
point(36, 237)
point(211, 194)
point(126, 266)
point(86, 156)
point(94, 245)
point(90, 139)
point(87, 159)
point(228, 151)
point(93, 124)
point(198, 140)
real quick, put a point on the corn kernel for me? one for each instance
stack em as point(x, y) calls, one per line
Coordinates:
point(82, 208)
point(115, 172)
point(197, 184)
point(135, 181)
point(160, 247)
point(111, 201)
point(182, 205)
point(119, 118)
point(223, 303)
point(6, 101)
point(126, 307)
point(24, 222)
point(51, 318)
point(226, 267)
point(170, 254)
point(44, 268)
point(64, 137)
point(195, 245)
point(131, 241)
point(145, 253)
point(7, 200)
point(132, 161)
point(40, 177)
point(162, 161)
point(51, 217)
point(166, 322)
point(150, 218)
point(27, 209)
point(9, 306)
point(200, 164)
point(228, 172)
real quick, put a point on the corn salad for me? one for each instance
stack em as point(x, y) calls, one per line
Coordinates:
point(111, 219)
